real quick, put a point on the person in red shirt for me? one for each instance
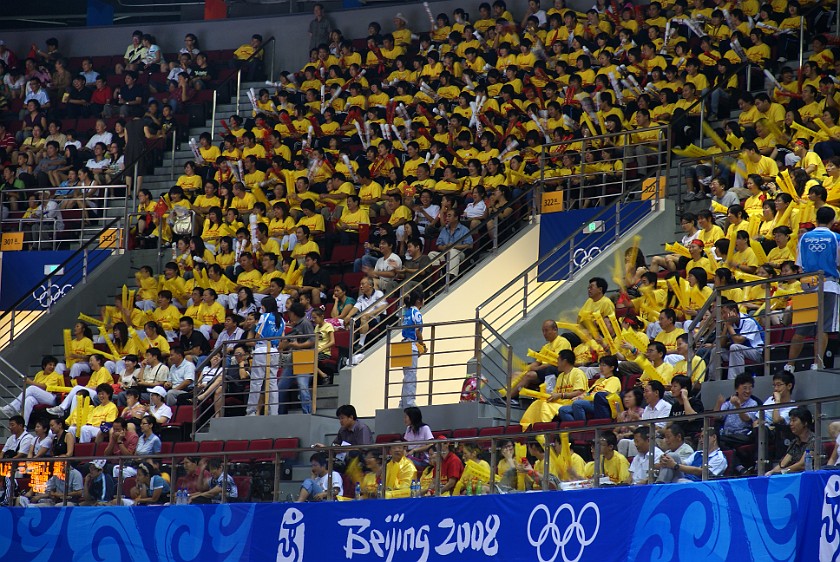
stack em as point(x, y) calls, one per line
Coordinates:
point(7, 144)
point(451, 467)
point(101, 96)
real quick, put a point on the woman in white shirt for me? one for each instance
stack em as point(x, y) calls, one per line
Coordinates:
point(210, 384)
point(384, 273)
point(476, 210)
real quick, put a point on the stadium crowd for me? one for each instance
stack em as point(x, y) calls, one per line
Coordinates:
point(409, 150)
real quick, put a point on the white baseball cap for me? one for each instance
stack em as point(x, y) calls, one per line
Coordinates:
point(159, 390)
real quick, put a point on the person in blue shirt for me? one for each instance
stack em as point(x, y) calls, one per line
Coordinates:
point(692, 469)
point(99, 488)
point(412, 318)
point(266, 358)
point(819, 250)
point(454, 239)
point(742, 339)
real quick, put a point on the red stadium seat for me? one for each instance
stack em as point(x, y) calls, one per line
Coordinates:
point(262, 445)
point(283, 444)
point(387, 437)
point(84, 449)
point(243, 488)
point(210, 447)
point(236, 445)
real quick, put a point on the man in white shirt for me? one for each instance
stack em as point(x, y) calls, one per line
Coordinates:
point(19, 442)
point(656, 408)
point(102, 135)
point(315, 489)
point(35, 92)
point(181, 376)
point(231, 333)
point(368, 314)
point(742, 339)
point(641, 462)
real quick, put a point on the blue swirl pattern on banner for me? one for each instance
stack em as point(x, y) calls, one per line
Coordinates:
point(792, 517)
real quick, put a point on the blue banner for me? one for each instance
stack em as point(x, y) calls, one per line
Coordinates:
point(792, 517)
point(20, 271)
point(585, 246)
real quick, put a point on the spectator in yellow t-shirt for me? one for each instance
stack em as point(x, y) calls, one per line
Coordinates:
point(536, 371)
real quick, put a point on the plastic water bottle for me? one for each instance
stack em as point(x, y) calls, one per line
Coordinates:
point(182, 496)
point(358, 491)
point(469, 487)
point(809, 460)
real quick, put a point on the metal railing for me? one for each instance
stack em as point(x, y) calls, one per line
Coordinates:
point(448, 267)
point(586, 441)
point(262, 364)
point(453, 349)
point(62, 219)
point(713, 161)
point(227, 82)
point(644, 162)
point(775, 314)
point(40, 298)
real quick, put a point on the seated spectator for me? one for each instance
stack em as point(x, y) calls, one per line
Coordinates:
point(343, 304)
point(569, 383)
point(151, 488)
point(99, 419)
point(55, 490)
point(802, 427)
point(63, 442)
point(99, 488)
point(351, 430)
point(737, 429)
point(678, 451)
point(614, 465)
point(451, 469)
point(323, 485)
point(364, 313)
point(640, 468)
point(742, 339)
point(415, 262)
point(537, 371)
point(100, 376)
point(657, 408)
point(453, 241)
point(19, 444)
point(36, 390)
point(181, 376)
point(42, 445)
point(212, 383)
point(122, 442)
point(534, 475)
point(158, 409)
point(384, 273)
point(196, 477)
point(593, 402)
point(691, 469)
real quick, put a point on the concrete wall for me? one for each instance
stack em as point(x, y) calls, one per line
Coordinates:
point(363, 385)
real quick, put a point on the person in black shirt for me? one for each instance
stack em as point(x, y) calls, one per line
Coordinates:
point(685, 404)
point(316, 280)
point(130, 97)
point(77, 102)
point(195, 345)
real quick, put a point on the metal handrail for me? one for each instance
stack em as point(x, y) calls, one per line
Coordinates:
point(333, 450)
point(238, 76)
point(442, 268)
point(697, 330)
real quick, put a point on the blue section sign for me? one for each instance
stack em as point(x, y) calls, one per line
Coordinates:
point(791, 517)
point(598, 232)
point(21, 271)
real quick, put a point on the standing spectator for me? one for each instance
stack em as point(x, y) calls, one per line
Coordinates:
point(411, 333)
point(300, 327)
point(819, 250)
point(319, 28)
point(19, 443)
point(266, 360)
point(351, 430)
point(416, 430)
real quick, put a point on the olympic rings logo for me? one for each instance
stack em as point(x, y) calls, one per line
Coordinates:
point(582, 256)
point(817, 247)
point(574, 529)
point(51, 293)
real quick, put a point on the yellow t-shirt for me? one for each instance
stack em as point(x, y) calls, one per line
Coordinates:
point(53, 379)
point(101, 376)
point(669, 339)
point(160, 343)
point(398, 475)
point(102, 413)
point(352, 220)
point(571, 381)
point(698, 369)
point(711, 236)
point(315, 223)
point(617, 468)
point(300, 251)
point(168, 318)
point(604, 305)
point(83, 346)
point(664, 374)
point(189, 183)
